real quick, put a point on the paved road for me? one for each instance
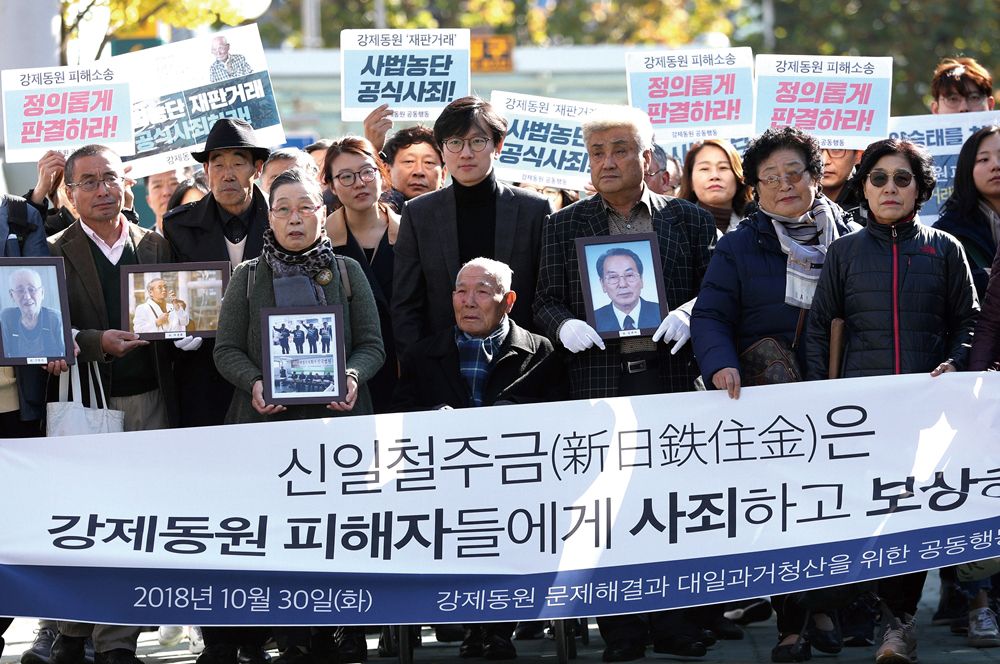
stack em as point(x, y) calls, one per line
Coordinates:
point(937, 646)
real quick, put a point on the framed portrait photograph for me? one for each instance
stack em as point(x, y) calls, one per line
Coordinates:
point(303, 355)
point(622, 284)
point(34, 319)
point(173, 300)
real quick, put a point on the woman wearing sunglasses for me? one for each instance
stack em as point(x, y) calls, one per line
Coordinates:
point(906, 296)
point(365, 229)
point(972, 212)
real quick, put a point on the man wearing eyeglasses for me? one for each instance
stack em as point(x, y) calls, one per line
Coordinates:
point(136, 374)
point(474, 217)
point(29, 329)
point(620, 271)
point(838, 167)
point(961, 86)
point(664, 173)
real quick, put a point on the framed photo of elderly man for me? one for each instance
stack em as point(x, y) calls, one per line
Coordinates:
point(173, 300)
point(34, 319)
point(303, 355)
point(622, 284)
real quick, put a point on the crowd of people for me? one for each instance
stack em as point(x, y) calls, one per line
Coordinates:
point(471, 295)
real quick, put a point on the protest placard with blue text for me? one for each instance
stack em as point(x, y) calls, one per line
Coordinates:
point(180, 90)
point(544, 144)
point(943, 136)
point(416, 72)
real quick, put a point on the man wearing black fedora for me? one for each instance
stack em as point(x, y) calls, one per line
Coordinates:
point(228, 224)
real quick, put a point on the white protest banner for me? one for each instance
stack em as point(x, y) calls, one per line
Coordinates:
point(942, 136)
point(553, 510)
point(180, 90)
point(63, 108)
point(544, 144)
point(416, 72)
point(693, 95)
point(842, 101)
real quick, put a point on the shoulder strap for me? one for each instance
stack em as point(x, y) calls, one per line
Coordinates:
point(342, 266)
point(798, 328)
point(17, 218)
point(251, 276)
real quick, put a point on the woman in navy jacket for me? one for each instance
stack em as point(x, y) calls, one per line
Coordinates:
point(905, 294)
point(761, 277)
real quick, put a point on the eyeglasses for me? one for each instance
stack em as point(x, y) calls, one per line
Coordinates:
point(111, 182)
point(900, 178)
point(629, 277)
point(771, 181)
point(286, 211)
point(835, 153)
point(477, 144)
point(954, 100)
point(366, 174)
point(654, 173)
point(21, 292)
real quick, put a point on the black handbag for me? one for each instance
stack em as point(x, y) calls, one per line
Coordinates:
point(771, 360)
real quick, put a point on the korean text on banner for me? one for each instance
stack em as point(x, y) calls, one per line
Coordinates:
point(579, 508)
point(63, 108)
point(544, 144)
point(180, 90)
point(842, 101)
point(416, 72)
point(693, 95)
point(942, 136)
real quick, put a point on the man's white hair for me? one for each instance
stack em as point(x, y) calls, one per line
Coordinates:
point(500, 272)
point(23, 270)
point(149, 284)
point(615, 117)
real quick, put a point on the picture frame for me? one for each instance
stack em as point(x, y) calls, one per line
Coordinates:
point(306, 368)
point(187, 303)
point(637, 257)
point(35, 296)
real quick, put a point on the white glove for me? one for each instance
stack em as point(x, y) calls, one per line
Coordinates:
point(189, 343)
point(576, 335)
point(675, 327)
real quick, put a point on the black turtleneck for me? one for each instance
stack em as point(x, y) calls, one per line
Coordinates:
point(476, 214)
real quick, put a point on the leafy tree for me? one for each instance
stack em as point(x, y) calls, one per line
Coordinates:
point(127, 13)
point(671, 22)
point(918, 34)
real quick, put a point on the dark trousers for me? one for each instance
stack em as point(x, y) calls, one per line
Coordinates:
point(902, 593)
point(634, 627)
point(236, 636)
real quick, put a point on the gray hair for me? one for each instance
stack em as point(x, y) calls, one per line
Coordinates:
point(659, 157)
point(297, 176)
point(500, 272)
point(302, 160)
point(149, 284)
point(23, 270)
point(615, 117)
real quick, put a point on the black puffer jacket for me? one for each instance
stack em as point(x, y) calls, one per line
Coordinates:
point(905, 293)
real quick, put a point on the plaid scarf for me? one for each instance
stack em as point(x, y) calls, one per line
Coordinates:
point(475, 356)
point(805, 241)
point(306, 263)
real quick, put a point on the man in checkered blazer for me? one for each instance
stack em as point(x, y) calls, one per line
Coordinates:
point(619, 147)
